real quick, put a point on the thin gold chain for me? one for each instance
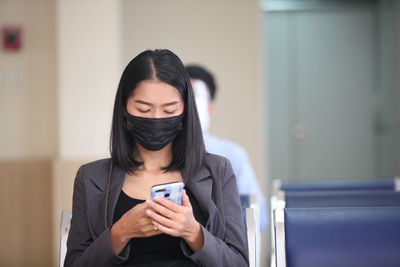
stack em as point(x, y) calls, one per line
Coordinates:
point(107, 197)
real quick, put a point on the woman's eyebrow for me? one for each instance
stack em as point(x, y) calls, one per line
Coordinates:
point(150, 104)
point(143, 102)
point(170, 103)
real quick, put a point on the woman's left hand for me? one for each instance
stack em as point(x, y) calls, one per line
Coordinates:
point(176, 220)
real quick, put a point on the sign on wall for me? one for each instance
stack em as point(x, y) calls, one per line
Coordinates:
point(12, 38)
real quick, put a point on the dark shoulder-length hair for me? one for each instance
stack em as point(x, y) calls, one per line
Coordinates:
point(188, 147)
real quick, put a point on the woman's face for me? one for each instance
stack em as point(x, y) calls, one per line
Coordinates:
point(155, 99)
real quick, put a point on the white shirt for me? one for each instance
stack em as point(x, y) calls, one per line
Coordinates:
point(245, 177)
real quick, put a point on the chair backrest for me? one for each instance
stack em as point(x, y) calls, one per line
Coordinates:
point(357, 236)
point(64, 230)
point(250, 211)
point(251, 227)
point(381, 184)
point(281, 189)
point(244, 201)
point(247, 201)
point(359, 198)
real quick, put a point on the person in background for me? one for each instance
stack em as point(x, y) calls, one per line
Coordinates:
point(205, 90)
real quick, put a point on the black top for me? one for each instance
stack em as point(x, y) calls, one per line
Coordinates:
point(159, 248)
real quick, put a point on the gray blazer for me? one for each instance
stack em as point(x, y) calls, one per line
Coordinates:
point(214, 186)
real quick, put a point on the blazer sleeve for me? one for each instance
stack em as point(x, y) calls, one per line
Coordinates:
point(232, 250)
point(82, 249)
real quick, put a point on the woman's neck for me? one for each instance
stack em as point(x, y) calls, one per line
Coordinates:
point(154, 160)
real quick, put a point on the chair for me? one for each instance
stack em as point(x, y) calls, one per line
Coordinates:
point(244, 204)
point(358, 198)
point(282, 189)
point(253, 236)
point(64, 231)
point(392, 184)
point(314, 199)
point(330, 237)
point(245, 201)
point(279, 189)
point(250, 214)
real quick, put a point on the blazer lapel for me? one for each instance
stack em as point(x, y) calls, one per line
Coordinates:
point(201, 186)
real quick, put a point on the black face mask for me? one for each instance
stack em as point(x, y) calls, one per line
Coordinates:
point(153, 134)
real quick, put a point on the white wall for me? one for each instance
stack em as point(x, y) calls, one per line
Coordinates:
point(28, 133)
point(89, 46)
point(224, 36)
point(27, 82)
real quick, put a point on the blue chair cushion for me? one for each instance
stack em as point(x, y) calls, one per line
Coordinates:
point(345, 237)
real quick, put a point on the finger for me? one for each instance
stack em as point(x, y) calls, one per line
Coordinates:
point(185, 199)
point(161, 209)
point(165, 230)
point(160, 219)
point(141, 206)
point(167, 203)
point(138, 211)
point(154, 229)
point(151, 230)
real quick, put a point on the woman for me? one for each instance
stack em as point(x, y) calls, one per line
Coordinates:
point(155, 139)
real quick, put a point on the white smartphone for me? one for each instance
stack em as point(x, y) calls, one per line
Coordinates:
point(171, 191)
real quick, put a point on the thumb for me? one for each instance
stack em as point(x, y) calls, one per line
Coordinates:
point(185, 199)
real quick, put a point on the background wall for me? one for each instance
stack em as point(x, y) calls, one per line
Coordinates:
point(321, 57)
point(223, 36)
point(27, 82)
point(88, 70)
point(28, 134)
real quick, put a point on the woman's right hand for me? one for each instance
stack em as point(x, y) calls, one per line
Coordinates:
point(134, 223)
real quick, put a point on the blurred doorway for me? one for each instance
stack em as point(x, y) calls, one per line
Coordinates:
point(332, 89)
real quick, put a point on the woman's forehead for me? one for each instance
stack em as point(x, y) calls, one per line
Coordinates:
point(155, 91)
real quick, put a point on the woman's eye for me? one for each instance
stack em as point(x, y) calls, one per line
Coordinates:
point(143, 111)
point(170, 112)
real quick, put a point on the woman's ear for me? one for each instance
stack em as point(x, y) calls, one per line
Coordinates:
point(125, 113)
point(211, 107)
